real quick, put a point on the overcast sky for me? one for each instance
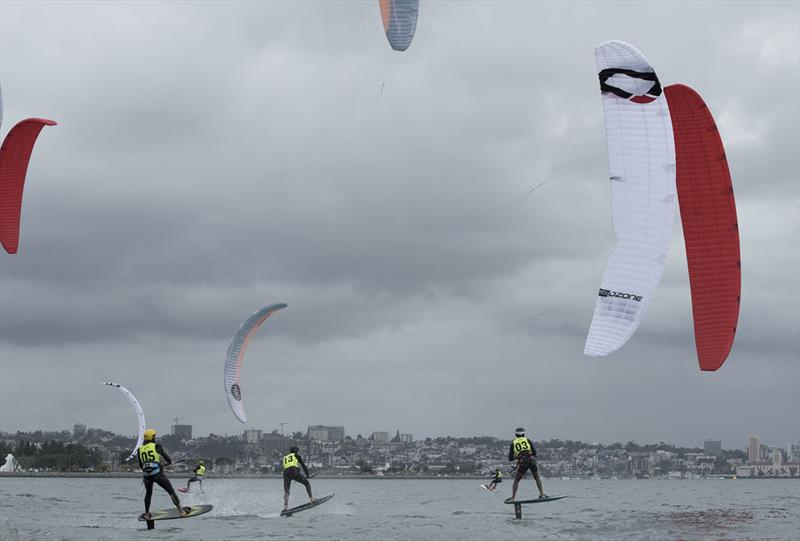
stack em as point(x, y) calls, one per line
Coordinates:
point(212, 158)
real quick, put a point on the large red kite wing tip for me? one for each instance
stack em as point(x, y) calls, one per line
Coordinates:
point(45, 121)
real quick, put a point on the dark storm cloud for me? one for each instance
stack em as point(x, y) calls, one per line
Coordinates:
point(437, 220)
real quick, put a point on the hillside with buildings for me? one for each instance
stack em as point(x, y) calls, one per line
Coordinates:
point(330, 451)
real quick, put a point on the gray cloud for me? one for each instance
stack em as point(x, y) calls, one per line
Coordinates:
point(437, 220)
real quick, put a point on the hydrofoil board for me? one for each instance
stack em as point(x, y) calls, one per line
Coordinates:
point(535, 500)
point(306, 506)
point(169, 514)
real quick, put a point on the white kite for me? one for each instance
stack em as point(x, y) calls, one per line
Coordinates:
point(641, 163)
point(139, 414)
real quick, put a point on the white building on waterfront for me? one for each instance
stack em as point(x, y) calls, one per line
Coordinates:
point(11, 464)
point(768, 470)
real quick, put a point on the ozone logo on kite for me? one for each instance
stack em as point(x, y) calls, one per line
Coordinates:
point(619, 295)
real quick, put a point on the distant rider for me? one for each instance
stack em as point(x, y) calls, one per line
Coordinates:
point(498, 478)
point(199, 472)
point(291, 472)
point(523, 452)
point(152, 459)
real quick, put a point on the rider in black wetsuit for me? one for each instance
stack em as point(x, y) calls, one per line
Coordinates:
point(498, 478)
point(152, 458)
point(291, 472)
point(523, 452)
point(199, 472)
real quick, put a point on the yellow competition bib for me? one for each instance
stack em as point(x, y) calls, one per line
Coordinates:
point(290, 461)
point(521, 445)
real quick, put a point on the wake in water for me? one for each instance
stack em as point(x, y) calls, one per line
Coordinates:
point(232, 501)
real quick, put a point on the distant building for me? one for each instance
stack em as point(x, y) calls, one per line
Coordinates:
point(335, 433)
point(765, 453)
point(326, 433)
point(754, 450)
point(183, 432)
point(252, 435)
point(777, 457)
point(380, 436)
point(712, 447)
point(79, 430)
point(768, 470)
point(407, 438)
point(793, 452)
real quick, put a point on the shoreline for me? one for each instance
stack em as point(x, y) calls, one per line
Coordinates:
point(186, 475)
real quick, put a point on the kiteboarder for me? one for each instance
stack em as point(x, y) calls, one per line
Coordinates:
point(291, 472)
point(523, 452)
point(498, 478)
point(199, 472)
point(152, 459)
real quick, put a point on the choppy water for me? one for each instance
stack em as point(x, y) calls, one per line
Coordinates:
point(430, 510)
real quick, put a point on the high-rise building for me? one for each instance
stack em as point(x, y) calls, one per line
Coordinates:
point(406, 438)
point(712, 447)
point(777, 457)
point(252, 435)
point(183, 432)
point(79, 430)
point(753, 450)
point(380, 436)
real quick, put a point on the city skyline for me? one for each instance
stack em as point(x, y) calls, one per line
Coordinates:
point(366, 431)
point(788, 447)
point(327, 450)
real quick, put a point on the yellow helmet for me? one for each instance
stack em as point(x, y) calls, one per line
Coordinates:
point(149, 434)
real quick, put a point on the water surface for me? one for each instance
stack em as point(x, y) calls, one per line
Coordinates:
point(429, 510)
